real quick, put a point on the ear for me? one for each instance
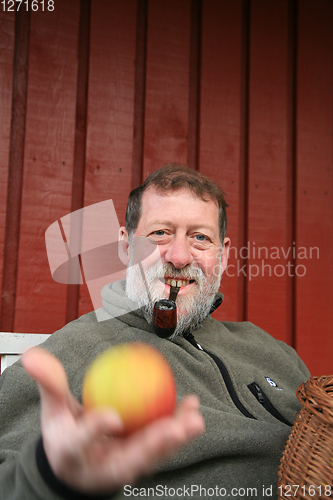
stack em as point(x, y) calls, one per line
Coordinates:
point(123, 246)
point(225, 253)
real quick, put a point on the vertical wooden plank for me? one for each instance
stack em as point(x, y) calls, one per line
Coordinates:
point(268, 245)
point(48, 162)
point(15, 170)
point(7, 29)
point(111, 109)
point(167, 83)
point(221, 134)
point(243, 189)
point(73, 291)
point(140, 93)
point(194, 86)
point(314, 186)
point(291, 167)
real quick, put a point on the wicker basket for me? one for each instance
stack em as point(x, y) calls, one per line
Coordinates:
point(306, 469)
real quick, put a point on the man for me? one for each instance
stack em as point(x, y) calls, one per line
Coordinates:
point(81, 454)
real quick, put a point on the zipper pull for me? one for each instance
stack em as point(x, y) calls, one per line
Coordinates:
point(260, 395)
point(192, 341)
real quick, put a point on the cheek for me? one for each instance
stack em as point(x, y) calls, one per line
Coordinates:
point(153, 260)
point(210, 264)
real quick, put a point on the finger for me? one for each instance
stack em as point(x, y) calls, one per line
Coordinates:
point(188, 414)
point(188, 404)
point(46, 370)
point(51, 378)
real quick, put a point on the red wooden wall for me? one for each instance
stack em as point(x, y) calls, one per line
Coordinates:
point(96, 94)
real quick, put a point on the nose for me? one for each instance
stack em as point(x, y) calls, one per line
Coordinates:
point(179, 252)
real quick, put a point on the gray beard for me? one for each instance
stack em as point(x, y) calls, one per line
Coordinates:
point(141, 290)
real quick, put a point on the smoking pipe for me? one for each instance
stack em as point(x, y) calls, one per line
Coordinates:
point(165, 314)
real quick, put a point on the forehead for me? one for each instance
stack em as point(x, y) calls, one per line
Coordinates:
point(180, 205)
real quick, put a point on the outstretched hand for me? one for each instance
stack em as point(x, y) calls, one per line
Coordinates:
point(86, 449)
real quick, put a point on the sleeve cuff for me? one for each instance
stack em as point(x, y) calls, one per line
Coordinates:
point(56, 485)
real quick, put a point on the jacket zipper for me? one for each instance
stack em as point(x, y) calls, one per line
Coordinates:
point(265, 402)
point(225, 376)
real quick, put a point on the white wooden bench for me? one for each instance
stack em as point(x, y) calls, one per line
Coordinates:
point(12, 345)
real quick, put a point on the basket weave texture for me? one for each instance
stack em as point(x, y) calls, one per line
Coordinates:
point(306, 468)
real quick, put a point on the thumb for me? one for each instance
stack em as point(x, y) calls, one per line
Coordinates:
point(51, 378)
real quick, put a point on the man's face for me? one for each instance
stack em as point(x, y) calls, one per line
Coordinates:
point(186, 230)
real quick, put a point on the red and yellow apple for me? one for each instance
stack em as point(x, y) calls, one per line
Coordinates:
point(134, 379)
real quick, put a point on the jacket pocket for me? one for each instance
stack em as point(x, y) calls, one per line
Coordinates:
point(261, 397)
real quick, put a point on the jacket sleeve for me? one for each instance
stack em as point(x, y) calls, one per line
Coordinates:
point(20, 477)
point(19, 434)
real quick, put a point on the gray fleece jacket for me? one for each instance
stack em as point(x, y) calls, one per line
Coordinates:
point(245, 379)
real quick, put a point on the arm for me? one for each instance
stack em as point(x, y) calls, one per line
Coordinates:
point(85, 450)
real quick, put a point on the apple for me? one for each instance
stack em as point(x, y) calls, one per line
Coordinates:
point(134, 379)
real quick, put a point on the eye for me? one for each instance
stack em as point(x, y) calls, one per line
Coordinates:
point(201, 241)
point(201, 237)
point(160, 236)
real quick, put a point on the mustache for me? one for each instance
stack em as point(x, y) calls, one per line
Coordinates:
point(189, 272)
